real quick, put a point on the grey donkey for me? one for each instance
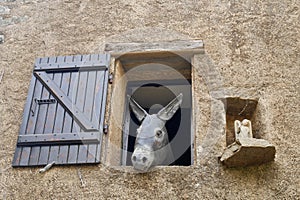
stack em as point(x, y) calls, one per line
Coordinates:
point(152, 145)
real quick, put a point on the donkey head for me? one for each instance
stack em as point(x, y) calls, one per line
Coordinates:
point(152, 143)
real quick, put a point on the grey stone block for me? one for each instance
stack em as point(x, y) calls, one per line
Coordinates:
point(248, 151)
point(4, 10)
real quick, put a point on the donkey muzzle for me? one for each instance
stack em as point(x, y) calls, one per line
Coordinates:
point(142, 159)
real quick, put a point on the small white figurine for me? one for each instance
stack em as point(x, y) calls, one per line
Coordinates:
point(243, 129)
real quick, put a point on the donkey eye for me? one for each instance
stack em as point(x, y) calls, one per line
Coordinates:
point(158, 133)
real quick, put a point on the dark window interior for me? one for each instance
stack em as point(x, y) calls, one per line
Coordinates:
point(178, 127)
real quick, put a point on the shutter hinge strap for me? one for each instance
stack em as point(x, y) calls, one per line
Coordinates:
point(105, 129)
point(111, 78)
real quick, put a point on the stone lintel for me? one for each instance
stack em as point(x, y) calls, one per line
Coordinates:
point(178, 46)
point(233, 92)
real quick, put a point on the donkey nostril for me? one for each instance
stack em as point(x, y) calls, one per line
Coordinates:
point(134, 158)
point(144, 159)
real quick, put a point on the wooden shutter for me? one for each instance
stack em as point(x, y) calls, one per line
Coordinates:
point(64, 114)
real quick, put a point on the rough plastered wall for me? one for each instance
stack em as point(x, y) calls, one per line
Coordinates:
point(252, 45)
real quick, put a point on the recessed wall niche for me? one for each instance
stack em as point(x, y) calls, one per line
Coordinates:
point(153, 80)
point(244, 121)
point(238, 109)
point(153, 74)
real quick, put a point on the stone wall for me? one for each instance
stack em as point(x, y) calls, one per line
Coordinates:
point(250, 46)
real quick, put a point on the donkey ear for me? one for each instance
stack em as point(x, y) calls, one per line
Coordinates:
point(138, 111)
point(169, 110)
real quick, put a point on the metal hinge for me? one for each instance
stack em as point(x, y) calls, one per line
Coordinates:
point(111, 78)
point(105, 129)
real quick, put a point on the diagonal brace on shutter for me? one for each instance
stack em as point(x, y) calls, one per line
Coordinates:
point(65, 102)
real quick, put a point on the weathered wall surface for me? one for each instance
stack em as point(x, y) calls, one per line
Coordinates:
point(253, 45)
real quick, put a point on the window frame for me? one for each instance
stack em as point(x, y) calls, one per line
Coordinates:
point(113, 148)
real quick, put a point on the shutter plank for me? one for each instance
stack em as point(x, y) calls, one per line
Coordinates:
point(25, 156)
point(77, 58)
point(34, 155)
point(80, 100)
point(77, 94)
point(90, 95)
point(104, 84)
point(98, 97)
point(34, 110)
point(42, 112)
point(69, 59)
point(52, 60)
point(40, 124)
point(51, 112)
point(53, 154)
point(61, 116)
point(86, 59)
point(48, 123)
point(34, 152)
point(67, 120)
point(44, 154)
point(98, 153)
point(89, 81)
point(72, 125)
point(92, 150)
point(55, 116)
point(73, 152)
point(89, 111)
point(73, 149)
point(62, 78)
point(82, 154)
point(73, 95)
point(47, 113)
point(80, 86)
point(94, 58)
point(33, 113)
point(31, 125)
point(63, 154)
point(81, 94)
point(100, 84)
